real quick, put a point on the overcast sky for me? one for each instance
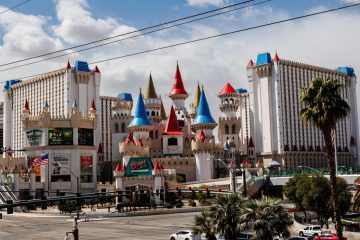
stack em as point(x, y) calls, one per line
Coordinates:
point(40, 26)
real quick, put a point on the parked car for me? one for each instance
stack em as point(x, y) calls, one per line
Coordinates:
point(314, 230)
point(184, 235)
point(242, 236)
point(327, 236)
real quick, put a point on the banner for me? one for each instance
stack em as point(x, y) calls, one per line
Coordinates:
point(34, 137)
point(85, 163)
point(139, 166)
point(61, 165)
point(86, 137)
point(60, 136)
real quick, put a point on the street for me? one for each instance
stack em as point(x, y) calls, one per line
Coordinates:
point(139, 227)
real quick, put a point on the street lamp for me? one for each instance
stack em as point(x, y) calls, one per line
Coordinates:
point(75, 225)
point(315, 170)
point(231, 170)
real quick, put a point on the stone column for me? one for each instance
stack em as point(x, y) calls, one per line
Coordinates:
point(118, 175)
point(16, 181)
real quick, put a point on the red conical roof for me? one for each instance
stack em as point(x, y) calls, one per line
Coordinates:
point(227, 89)
point(276, 57)
point(161, 166)
point(172, 127)
point(178, 87)
point(15, 168)
point(129, 139)
point(251, 143)
point(250, 64)
point(100, 149)
point(201, 136)
point(118, 167)
point(96, 69)
point(93, 107)
point(157, 166)
point(26, 105)
point(141, 142)
point(124, 167)
point(68, 66)
point(5, 168)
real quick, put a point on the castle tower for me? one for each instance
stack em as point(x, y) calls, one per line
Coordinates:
point(229, 122)
point(195, 104)
point(172, 136)
point(251, 152)
point(203, 146)
point(137, 142)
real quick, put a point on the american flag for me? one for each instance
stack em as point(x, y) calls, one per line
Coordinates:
point(42, 160)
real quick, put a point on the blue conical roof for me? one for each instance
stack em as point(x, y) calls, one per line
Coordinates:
point(140, 117)
point(203, 113)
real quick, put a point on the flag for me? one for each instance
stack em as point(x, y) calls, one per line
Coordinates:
point(42, 160)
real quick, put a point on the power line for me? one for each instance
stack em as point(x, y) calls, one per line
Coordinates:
point(135, 31)
point(135, 36)
point(217, 35)
point(17, 5)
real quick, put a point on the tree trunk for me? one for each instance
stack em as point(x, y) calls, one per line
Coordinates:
point(331, 165)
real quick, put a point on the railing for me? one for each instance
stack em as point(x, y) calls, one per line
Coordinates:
point(324, 171)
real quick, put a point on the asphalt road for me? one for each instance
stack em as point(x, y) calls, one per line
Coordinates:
point(124, 228)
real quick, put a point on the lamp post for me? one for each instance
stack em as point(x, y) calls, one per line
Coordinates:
point(75, 225)
point(231, 170)
point(313, 169)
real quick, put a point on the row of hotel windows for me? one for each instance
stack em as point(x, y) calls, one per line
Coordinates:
point(311, 148)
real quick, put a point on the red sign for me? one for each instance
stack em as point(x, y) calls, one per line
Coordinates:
point(85, 161)
point(136, 165)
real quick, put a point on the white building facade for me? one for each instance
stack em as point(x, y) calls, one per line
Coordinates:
point(278, 133)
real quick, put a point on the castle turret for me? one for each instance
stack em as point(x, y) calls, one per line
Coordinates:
point(152, 102)
point(203, 146)
point(172, 136)
point(229, 122)
point(137, 143)
point(178, 93)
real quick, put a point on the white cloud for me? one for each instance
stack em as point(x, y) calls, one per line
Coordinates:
point(202, 3)
point(78, 26)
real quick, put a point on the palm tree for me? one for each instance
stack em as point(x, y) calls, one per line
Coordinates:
point(266, 217)
point(356, 204)
point(225, 215)
point(323, 108)
point(203, 224)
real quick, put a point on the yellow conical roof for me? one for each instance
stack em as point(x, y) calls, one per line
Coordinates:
point(197, 96)
point(150, 89)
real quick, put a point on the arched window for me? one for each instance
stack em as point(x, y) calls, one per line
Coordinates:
point(123, 127)
point(233, 129)
point(121, 114)
point(147, 113)
point(231, 101)
point(226, 129)
point(156, 134)
point(153, 113)
point(151, 134)
point(226, 101)
point(116, 128)
point(157, 113)
point(172, 141)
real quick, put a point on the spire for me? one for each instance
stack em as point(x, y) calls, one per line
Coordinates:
point(68, 66)
point(96, 69)
point(162, 166)
point(162, 112)
point(157, 166)
point(26, 105)
point(227, 89)
point(172, 126)
point(197, 96)
point(100, 149)
point(129, 139)
point(150, 89)
point(276, 57)
point(251, 143)
point(118, 168)
point(203, 113)
point(75, 104)
point(93, 107)
point(178, 87)
point(140, 117)
point(250, 64)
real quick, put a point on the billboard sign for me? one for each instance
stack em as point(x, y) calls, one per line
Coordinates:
point(86, 137)
point(62, 165)
point(139, 166)
point(34, 137)
point(60, 136)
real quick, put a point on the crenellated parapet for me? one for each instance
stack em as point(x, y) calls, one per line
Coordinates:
point(263, 70)
point(201, 146)
point(140, 149)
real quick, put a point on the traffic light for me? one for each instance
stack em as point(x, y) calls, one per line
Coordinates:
point(43, 203)
point(10, 209)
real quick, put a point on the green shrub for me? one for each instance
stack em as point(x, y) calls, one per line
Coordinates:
point(169, 205)
point(179, 205)
point(201, 197)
